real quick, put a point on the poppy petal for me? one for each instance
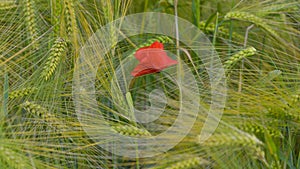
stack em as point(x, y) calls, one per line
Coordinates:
point(138, 54)
point(142, 70)
point(155, 58)
point(154, 45)
point(152, 59)
point(157, 45)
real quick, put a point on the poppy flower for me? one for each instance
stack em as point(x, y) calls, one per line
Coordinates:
point(152, 59)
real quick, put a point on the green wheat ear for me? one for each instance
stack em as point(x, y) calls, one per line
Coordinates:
point(195, 162)
point(70, 21)
point(231, 139)
point(222, 31)
point(161, 39)
point(295, 99)
point(22, 92)
point(284, 113)
point(12, 159)
point(250, 143)
point(37, 110)
point(57, 51)
point(250, 51)
point(31, 21)
point(258, 129)
point(7, 5)
point(248, 17)
point(56, 17)
point(130, 130)
point(43, 113)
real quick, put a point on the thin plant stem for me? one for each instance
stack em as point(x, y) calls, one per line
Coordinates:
point(242, 66)
point(179, 70)
point(176, 26)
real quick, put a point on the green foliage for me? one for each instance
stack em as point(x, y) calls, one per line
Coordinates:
point(12, 159)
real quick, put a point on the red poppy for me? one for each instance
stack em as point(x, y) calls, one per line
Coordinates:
point(152, 59)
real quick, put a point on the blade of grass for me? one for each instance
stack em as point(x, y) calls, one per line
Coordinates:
point(5, 94)
point(298, 161)
point(4, 112)
point(216, 29)
point(210, 19)
point(196, 12)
